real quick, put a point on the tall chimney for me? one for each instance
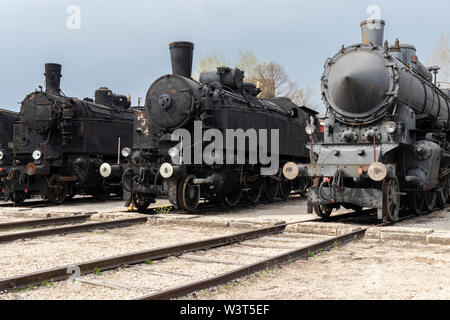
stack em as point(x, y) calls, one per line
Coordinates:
point(181, 55)
point(373, 32)
point(52, 78)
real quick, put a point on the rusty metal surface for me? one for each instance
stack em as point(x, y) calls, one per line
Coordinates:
point(61, 273)
point(258, 266)
point(44, 222)
point(68, 229)
point(262, 265)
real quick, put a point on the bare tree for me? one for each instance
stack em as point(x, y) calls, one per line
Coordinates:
point(247, 62)
point(211, 62)
point(303, 96)
point(441, 57)
point(270, 77)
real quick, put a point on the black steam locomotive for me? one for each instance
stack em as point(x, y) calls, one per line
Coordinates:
point(173, 156)
point(386, 132)
point(7, 119)
point(60, 142)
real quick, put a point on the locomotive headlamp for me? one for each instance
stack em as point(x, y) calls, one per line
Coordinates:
point(1, 155)
point(390, 127)
point(166, 170)
point(310, 129)
point(36, 155)
point(105, 170)
point(377, 171)
point(173, 152)
point(126, 152)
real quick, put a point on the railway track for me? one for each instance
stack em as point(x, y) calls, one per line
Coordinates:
point(236, 241)
point(228, 248)
point(43, 204)
point(290, 256)
point(7, 237)
point(45, 222)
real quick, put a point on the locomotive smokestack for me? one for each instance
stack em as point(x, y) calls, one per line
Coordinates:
point(373, 32)
point(52, 78)
point(181, 55)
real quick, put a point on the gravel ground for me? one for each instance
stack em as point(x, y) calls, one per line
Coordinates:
point(363, 270)
point(5, 218)
point(439, 220)
point(21, 256)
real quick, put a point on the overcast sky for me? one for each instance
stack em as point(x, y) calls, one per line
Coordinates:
point(124, 44)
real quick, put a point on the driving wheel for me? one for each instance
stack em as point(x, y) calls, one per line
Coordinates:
point(232, 199)
point(56, 190)
point(391, 199)
point(270, 188)
point(322, 211)
point(188, 194)
point(255, 191)
point(430, 200)
point(443, 193)
point(416, 201)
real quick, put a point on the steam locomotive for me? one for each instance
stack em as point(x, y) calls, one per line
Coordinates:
point(386, 132)
point(7, 119)
point(172, 154)
point(60, 142)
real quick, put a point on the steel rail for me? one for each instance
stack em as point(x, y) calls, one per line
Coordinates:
point(45, 222)
point(61, 273)
point(253, 268)
point(290, 256)
point(70, 229)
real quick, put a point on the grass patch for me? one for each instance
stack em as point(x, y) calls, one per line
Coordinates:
point(97, 272)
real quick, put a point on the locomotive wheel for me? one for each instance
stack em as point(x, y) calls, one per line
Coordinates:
point(57, 190)
point(322, 211)
point(270, 188)
point(443, 194)
point(430, 200)
point(233, 198)
point(18, 197)
point(285, 188)
point(188, 194)
point(140, 203)
point(255, 191)
point(416, 201)
point(391, 199)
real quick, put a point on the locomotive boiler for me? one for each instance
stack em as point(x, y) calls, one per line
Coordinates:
point(7, 119)
point(172, 154)
point(60, 142)
point(386, 132)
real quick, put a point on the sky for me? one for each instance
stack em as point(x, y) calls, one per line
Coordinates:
point(124, 44)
